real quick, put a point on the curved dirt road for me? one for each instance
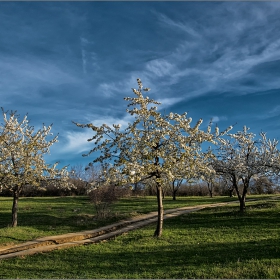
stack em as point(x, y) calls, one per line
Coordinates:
point(50, 243)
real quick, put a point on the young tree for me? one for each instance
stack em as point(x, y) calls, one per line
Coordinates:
point(185, 173)
point(83, 177)
point(263, 185)
point(242, 157)
point(21, 157)
point(226, 184)
point(175, 186)
point(209, 175)
point(150, 147)
point(210, 182)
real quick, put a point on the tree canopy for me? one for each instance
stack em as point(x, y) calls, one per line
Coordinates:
point(242, 157)
point(22, 162)
point(154, 146)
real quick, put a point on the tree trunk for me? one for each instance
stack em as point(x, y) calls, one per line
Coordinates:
point(243, 198)
point(242, 204)
point(163, 194)
point(158, 231)
point(15, 207)
point(174, 194)
point(210, 189)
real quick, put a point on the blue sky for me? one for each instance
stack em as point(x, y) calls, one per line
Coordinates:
point(64, 61)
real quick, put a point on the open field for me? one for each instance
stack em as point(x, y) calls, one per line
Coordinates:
point(211, 243)
point(42, 216)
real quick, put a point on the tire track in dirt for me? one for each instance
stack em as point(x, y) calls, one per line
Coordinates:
point(50, 243)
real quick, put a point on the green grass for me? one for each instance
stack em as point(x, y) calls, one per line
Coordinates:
point(211, 243)
point(44, 216)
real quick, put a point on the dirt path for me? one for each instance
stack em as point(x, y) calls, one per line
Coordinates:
point(50, 243)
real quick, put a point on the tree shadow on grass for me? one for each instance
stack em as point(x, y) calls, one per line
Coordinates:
point(230, 217)
point(38, 211)
point(175, 255)
point(40, 220)
point(12, 238)
point(155, 261)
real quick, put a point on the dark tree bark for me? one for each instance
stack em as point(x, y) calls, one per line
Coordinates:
point(15, 207)
point(244, 193)
point(175, 187)
point(210, 188)
point(174, 194)
point(242, 204)
point(158, 231)
point(241, 197)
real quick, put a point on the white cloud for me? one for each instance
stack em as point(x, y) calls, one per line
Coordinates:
point(84, 61)
point(217, 119)
point(123, 86)
point(160, 67)
point(84, 41)
point(177, 25)
point(89, 57)
point(269, 114)
point(232, 62)
point(167, 102)
point(76, 142)
point(32, 71)
point(111, 120)
point(108, 89)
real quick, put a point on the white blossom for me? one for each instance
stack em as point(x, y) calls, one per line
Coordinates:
point(22, 161)
point(158, 147)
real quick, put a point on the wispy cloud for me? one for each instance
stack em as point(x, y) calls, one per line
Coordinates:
point(220, 63)
point(269, 113)
point(167, 102)
point(89, 57)
point(108, 89)
point(76, 142)
point(69, 60)
point(84, 61)
point(33, 69)
point(109, 120)
point(160, 67)
point(177, 25)
point(216, 119)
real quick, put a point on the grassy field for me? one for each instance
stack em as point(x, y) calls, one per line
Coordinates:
point(211, 243)
point(43, 216)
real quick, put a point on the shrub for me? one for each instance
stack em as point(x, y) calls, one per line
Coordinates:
point(104, 196)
